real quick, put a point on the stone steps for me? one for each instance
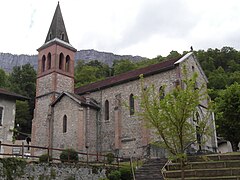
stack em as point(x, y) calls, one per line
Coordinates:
point(226, 167)
point(151, 170)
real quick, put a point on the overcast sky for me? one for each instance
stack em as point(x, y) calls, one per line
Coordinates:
point(137, 27)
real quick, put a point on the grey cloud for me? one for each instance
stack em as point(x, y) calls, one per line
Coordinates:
point(167, 18)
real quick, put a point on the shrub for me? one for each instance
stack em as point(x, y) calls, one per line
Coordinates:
point(44, 158)
point(69, 154)
point(114, 175)
point(110, 158)
point(126, 173)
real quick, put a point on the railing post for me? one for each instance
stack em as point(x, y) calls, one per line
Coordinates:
point(87, 154)
point(22, 149)
point(48, 154)
point(68, 156)
point(118, 161)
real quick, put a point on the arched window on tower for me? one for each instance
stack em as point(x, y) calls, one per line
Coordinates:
point(106, 105)
point(131, 104)
point(161, 92)
point(67, 66)
point(49, 61)
point(43, 63)
point(61, 58)
point(64, 124)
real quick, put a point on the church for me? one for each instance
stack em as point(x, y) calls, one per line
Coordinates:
point(93, 117)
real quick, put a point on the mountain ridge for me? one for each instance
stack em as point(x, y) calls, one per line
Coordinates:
point(8, 60)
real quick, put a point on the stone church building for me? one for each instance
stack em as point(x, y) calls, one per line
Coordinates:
point(93, 118)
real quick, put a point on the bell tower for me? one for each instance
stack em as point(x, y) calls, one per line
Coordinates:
point(55, 74)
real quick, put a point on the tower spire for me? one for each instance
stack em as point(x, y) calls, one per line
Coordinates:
point(57, 28)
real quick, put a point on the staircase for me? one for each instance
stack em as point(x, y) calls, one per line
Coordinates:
point(151, 170)
point(208, 167)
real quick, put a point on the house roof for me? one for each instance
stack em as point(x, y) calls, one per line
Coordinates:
point(9, 94)
point(81, 100)
point(128, 76)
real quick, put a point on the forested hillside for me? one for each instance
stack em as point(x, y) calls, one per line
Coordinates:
point(222, 67)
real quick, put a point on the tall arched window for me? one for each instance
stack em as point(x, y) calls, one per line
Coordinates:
point(131, 104)
point(67, 66)
point(161, 92)
point(43, 63)
point(61, 58)
point(49, 61)
point(106, 110)
point(64, 124)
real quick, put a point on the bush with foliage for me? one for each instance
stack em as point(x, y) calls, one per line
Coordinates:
point(114, 175)
point(126, 173)
point(110, 158)
point(44, 158)
point(69, 155)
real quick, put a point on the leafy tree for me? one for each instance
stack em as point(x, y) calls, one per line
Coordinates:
point(23, 81)
point(23, 116)
point(228, 114)
point(121, 66)
point(173, 54)
point(218, 79)
point(170, 116)
point(90, 72)
point(3, 79)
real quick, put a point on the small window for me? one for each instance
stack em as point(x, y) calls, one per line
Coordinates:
point(193, 69)
point(64, 124)
point(49, 61)
point(161, 93)
point(43, 63)
point(62, 36)
point(1, 116)
point(61, 57)
point(131, 104)
point(67, 63)
point(106, 110)
point(50, 36)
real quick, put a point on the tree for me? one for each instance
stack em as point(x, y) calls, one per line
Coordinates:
point(23, 117)
point(90, 72)
point(171, 116)
point(228, 114)
point(122, 66)
point(3, 79)
point(22, 80)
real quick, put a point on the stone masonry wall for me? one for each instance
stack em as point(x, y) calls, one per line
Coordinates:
point(56, 171)
point(81, 126)
point(133, 136)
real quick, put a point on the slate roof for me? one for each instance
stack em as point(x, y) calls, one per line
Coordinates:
point(57, 27)
point(79, 99)
point(6, 93)
point(128, 76)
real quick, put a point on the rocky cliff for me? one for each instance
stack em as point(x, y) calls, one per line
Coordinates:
point(8, 61)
